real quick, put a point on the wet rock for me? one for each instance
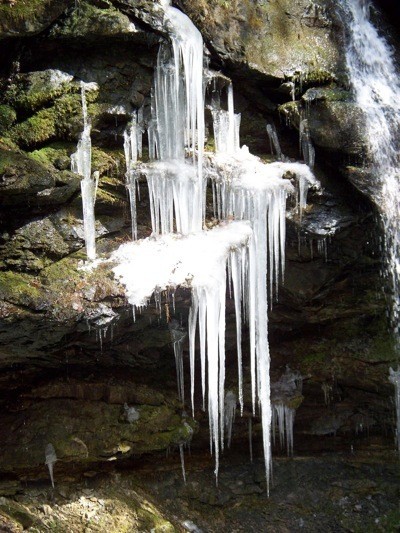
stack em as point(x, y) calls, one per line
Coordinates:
point(22, 19)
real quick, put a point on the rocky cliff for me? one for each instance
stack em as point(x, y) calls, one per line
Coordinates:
point(74, 367)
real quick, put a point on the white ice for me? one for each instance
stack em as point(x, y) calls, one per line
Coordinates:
point(81, 163)
point(394, 377)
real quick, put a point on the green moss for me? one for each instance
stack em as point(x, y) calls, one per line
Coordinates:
point(291, 112)
point(63, 121)
point(35, 130)
point(64, 272)
point(19, 288)
point(7, 118)
point(105, 162)
point(68, 113)
point(57, 154)
point(32, 91)
point(89, 20)
point(22, 9)
point(327, 94)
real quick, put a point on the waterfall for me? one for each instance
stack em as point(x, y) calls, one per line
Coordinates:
point(376, 85)
point(81, 163)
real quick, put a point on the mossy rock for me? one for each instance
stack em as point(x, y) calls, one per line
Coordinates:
point(7, 118)
point(19, 513)
point(31, 91)
point(36, 129)
point(22, 177)
point(29, 17)
point(63, 121)
point(290, 111)
point(329, 94)
point(90, 21)
point(33, 246)
point(57, 154)
point(274, 38)
point(20, 289)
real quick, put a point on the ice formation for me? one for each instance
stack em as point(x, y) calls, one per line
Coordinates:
point(230, 412)
point(226, 126)
point(245, 189)
point(306, 146)
point(283, 419)
point(284, 394)
point(178, 335)
point(81, 163)
point(177, 128)
point(394, 377)
point(133, 150)
point(274, 141)
point(51, 459)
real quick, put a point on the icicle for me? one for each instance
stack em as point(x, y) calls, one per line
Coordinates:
point(226, 127)
point(182, 455)
point(81, 164)
point(198, 261)
point(327, 390)
point(284, 419)
point(237, 270)
point(193, 313)
point(251, 439)
point(178, 335)
point(306, 146)
point(178, 122)
point(274, 141)
point(51, 458)
point(394, 378)
point(230, 411)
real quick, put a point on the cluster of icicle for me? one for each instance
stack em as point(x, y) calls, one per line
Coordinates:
point(376, 85)
point(81, 163)
point(246, 190)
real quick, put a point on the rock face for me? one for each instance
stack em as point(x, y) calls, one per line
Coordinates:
point(75, 368)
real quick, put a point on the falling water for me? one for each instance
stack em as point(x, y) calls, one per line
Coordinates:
point(81, 164)
point(376, 85)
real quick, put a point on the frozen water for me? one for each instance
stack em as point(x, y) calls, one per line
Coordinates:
point(230, 412)
point(394, 377)
point(178, 336)
point(283, 418)
point(132, 414)
point(226, 127)
point(178, 123)
point(51, 458)
point(306, 146)
point(133, 135)
point(274, 141)
point(172, 184)
point(81, 164)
